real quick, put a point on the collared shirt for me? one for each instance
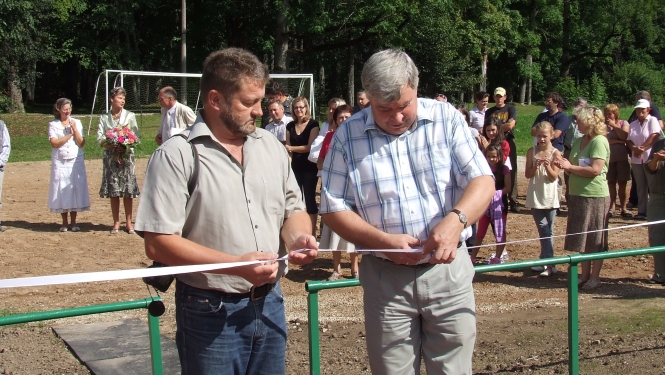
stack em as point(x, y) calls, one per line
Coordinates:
point(235, 208)
point(639, 132)
point(5, 144)
point(477, 118)
point(279, 129)
point(402, 184)
point(168, 124)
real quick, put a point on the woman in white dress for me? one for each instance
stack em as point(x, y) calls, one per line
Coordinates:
point(68, 191)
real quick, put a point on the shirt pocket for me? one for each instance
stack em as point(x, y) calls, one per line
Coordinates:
point(433, 171)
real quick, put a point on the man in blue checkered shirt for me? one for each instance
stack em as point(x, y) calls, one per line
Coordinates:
point(409, 174)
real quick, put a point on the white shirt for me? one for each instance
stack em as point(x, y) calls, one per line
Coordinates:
point(477, 118)
point(6, 146)
point(639, 132)
point(168, 124)
point(278, 129)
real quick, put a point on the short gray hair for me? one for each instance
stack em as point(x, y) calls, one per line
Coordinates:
point(386, 73)
point(580, 102)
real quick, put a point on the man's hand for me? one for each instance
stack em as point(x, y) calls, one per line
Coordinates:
point(259, 274)
point(659, 156)
point(443, 239)
point(303, 257)
point(402, 241)
point(158, 139)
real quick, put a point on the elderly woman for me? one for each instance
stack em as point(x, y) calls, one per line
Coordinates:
point(656, 207)
point(618, 171)
point(118, 178)
point(68, 190)
point(589, 203)
point(300, 134)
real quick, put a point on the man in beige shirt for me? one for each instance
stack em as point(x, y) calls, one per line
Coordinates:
point(226, 193)
point(175, 115)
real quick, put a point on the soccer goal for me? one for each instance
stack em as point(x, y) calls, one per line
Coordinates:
point(143, 87)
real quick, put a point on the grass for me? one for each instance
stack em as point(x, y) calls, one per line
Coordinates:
point(30, 141)
point(29, 136)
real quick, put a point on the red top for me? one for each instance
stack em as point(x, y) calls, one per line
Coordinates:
point(325, 145)
point(505, 148)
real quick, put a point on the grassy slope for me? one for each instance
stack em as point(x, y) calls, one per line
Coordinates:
point(29, 133)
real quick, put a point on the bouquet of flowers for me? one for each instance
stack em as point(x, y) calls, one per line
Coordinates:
point(122, 138)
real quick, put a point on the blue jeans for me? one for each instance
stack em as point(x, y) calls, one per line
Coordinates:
point(222, 335)
point(544, 219)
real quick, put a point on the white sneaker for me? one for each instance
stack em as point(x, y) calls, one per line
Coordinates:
point(538, 268)
point(549, 271)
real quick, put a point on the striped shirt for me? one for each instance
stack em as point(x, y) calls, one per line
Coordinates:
point(402, 184)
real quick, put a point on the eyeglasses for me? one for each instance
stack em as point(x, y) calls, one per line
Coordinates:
point(300, 108)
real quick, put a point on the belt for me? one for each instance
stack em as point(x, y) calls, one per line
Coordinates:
point(256, 292)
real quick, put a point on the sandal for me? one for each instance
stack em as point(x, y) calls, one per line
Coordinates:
point(591, 285)
point(130, 230)
point(580, 283)
point(114, 231)
point(611, 213)
point(354, 274)
point(63, 229)
point(75, 229)
point(626, 214)
point(335, 276)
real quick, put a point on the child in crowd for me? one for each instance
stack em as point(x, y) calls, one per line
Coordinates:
point(330, 239)
point(497, 214)
point(542, 195)
point(492, 135)
point(474, 133)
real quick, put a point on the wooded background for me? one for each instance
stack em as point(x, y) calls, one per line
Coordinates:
point(605, 50)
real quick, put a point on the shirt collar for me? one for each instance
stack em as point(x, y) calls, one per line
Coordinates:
point(201, 129)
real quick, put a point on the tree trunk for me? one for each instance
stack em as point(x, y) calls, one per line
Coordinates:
point(523, 89)
point(483, 73)
point(565, 45)
point(14, 87)
point(30, 84)
point(281, 47)
point(529, 61)
point(351, 88)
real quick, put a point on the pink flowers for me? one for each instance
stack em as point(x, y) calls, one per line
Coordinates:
point(122, 138)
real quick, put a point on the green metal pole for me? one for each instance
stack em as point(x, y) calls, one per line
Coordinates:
point(573, 322)
point(313, 327)
point(76, 311)
point(155, 345)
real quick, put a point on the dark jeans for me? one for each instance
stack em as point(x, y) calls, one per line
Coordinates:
point(225, 335)
point(307, 181)
point(512, 197)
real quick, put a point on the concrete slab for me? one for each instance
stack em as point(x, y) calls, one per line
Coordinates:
point(118, 347)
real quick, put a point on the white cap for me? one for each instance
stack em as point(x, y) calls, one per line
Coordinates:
point(643, 103)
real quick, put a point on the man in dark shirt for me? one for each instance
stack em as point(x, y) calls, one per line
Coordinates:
point(508, 115)
point(554, 116)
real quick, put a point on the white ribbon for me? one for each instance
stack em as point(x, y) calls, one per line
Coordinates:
point(175, 270)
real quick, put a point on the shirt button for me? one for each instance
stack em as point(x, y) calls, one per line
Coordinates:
point(256, 226)
point(249, 201)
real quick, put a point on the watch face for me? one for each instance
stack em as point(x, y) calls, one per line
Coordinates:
point(462, 218)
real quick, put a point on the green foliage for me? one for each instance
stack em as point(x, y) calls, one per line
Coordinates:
point(628, 78)
point(594, 90)
point(5, 103)
point(566, 87)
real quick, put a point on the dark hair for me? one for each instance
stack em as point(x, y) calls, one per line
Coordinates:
point(274, 88)
point(226, 70)
point(499, 136)
point(170, 92)
point(480, 95)
point(341, 109)
point(556, 98)
point(496, 147)
point(465, 112)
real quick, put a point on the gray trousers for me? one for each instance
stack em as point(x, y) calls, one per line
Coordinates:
point(423, 309)
point(656, 212)
point(642, 180)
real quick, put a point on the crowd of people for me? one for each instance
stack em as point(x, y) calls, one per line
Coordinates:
point(398, 172)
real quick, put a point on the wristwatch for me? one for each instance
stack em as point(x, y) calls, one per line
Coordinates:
point(462, 217)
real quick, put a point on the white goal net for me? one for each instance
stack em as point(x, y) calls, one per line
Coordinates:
point(143, 87)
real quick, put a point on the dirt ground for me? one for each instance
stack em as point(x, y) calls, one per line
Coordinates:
point(521, 317)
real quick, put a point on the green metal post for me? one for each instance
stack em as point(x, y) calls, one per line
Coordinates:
point(573, 322)
point(313, 327)
point(155, 345)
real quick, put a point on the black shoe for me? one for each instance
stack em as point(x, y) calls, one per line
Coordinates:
point(514, 209)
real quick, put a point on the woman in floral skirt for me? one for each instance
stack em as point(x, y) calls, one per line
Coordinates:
point(118, 179)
